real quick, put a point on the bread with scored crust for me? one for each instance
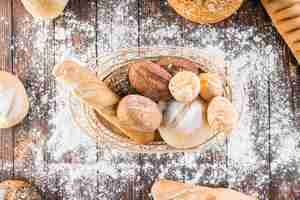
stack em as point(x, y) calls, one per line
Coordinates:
point(85, 84)
point(285, 15)
point(170, 190)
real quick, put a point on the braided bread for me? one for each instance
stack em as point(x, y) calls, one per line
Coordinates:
point(285, 15)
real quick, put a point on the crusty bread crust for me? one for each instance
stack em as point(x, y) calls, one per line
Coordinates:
point(285, 15)
point(205, 11)
point(168, 190)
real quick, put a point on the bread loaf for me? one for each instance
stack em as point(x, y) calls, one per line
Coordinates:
point(205, 11)
point(285, 15)
point(85, 84)
point(18, 190)
point(14, 103)
point(171, 190)
point(45, 9)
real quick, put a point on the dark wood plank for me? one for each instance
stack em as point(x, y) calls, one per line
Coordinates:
point(227, 163)
point(7, 135)
point(254, 176)
point(117, 28)
point(160, 27)
point(208, 166)
point(75, 32)
point(33, 62)
point(284, 130)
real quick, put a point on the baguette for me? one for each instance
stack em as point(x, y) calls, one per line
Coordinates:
point(85, 84)
point(171, 190)
point(285, 15)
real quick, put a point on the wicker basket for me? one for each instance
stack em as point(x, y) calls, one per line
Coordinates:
point(112, 69)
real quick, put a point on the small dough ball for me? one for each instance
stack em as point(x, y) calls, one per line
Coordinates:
point(18, 190)
point(14, 103)
point(46, 9)
point(211, 86)
point(139, 113)
point(185, 86)
point(185, 125)
point(222, 115)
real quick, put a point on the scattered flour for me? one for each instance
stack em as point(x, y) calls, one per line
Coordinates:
point(68, 162)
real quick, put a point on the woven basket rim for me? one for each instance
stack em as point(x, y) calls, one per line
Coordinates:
point(104, 135)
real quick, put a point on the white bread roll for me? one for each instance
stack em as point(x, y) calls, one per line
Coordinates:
point(14, 103)
point(185, 125)
point(45, 9)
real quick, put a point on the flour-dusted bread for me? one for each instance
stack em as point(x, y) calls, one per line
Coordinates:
point(205, 11)
point(45, 9)
point(14, 103)
point(185, 125)
point(18, 190)
point(169, 190)
point(85, 84)
point(285, 15)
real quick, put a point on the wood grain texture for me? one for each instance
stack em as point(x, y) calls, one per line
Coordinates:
point(33, 64)
point(71, 37)
point(117, 28)
point(255, 182)
point(284, 175)
point(154, 16)
point(6, 64)
point(91, 28)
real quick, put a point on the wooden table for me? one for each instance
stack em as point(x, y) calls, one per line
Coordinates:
point(104, 26)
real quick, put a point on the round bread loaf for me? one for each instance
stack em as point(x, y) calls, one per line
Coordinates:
point(46, 9)
point(205, 11)
point(222, 115)
point(18, 190)
point(14, 103)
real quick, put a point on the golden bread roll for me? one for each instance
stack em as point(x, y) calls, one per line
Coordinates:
point(71, 72)
point(139, 113)
point(46, 9)
point(14, 103)
point(110, 118)
point(286, 18)
point(222, 115)
point(18, 190)
point(185, 86)
point(205, 11)
point(171, 190)
point(211, 86)
point(85, 84)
